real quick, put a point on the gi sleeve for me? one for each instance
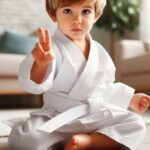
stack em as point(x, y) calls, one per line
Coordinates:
point(116, 93)
point(24, 76)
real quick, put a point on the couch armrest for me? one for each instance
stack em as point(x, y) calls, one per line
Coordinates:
point(9, 64)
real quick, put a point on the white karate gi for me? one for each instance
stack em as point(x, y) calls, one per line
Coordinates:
point(84, 87)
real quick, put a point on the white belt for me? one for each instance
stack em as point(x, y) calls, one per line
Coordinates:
point(64, 118)
point(69, 115)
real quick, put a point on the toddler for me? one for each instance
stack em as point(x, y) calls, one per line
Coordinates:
point(83, 108)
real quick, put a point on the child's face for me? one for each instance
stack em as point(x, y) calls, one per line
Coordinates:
point(76, 20)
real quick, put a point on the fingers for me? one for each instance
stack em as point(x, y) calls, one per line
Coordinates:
point(41, 52)
point(38, 50)
point(48, 39)
point(142, 109)
point(41, 56)
point(148, 99)
point(145, 103)
point(41, 35)
point(44, 38)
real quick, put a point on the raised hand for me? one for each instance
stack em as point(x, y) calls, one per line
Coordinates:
point(42, 52)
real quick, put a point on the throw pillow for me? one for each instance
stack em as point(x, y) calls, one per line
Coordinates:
point(16, 43)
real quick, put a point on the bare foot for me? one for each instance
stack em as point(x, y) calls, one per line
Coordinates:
point(79, 142)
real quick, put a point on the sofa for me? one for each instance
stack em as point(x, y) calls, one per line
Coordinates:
point(132, 59)
point(13, 48)
point(9, 64)
point(17, 25)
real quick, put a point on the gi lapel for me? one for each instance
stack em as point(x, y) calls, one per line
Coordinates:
point(90, 75)
point(69, 49)
point(87, 72)
point(72, 65)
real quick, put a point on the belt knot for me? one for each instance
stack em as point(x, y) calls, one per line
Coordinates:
point(95, 104)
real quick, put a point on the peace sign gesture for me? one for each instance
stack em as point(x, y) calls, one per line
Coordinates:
point(42, 52)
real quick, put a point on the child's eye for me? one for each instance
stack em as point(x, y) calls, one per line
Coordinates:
point(86, 12)
point(67, 11)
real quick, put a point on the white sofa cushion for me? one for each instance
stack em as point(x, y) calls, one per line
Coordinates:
point(9, 64)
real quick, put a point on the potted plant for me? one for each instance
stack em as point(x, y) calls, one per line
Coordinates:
point(119, 16)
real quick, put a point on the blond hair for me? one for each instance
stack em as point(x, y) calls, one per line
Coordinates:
point(52, 5)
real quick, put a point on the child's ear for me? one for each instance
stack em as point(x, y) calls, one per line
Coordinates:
point(52, 16)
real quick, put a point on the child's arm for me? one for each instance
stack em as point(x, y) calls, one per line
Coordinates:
point(42, 54)
point(140, 102)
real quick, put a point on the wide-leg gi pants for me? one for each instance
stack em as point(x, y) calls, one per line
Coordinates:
point(125, 127)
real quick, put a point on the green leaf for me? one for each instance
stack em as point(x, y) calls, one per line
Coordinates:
point(120, 15)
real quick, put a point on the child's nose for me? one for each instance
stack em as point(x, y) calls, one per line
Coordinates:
point(77, 19)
